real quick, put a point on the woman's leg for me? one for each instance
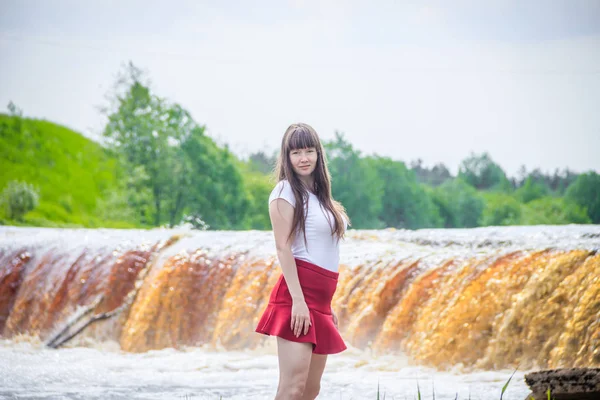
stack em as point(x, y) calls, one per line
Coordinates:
point(313, 382)
point(294, 364)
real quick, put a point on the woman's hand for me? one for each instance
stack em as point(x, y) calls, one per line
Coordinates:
point(300, 318)
point(335, 320)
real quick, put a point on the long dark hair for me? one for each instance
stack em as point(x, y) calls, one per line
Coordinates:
point(303, 136)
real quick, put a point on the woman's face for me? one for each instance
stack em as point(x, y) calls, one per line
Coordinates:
point(304, 161)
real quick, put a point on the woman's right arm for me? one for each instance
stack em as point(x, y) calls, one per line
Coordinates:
point(282, 215)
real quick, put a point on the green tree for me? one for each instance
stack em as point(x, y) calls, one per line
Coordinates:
point(500, 209)
point(135, 131)
point(261, 162)
point(216, 187)
point(186, 172)
point(16, 115)
point(14, 110)
point(532, 190)
point(258, 187)
point(434, 176)
point(355, 183)
point(405, 204)
point(585, 191)
point(176, 175)
point(459, 204)
point(556, 183)
point(131, 201)
point(560, 181)
point(482, 172)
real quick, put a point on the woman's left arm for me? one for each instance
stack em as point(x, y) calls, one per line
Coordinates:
point(335, 319)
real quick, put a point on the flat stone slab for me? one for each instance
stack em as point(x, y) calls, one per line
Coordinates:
point(565, 383)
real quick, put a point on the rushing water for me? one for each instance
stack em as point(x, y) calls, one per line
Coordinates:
point(454, 309)
point(29, 371)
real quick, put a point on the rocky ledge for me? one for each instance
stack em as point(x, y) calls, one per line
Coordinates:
point(565, 383)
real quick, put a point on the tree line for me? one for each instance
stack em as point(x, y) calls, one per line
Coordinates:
point(380, 192)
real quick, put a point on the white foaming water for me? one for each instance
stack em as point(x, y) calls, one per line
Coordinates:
point(101, 371)
point(360, 246)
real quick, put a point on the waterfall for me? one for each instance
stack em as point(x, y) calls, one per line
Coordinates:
point(485, 298)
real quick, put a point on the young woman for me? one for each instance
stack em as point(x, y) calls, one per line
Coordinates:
point(308, 225)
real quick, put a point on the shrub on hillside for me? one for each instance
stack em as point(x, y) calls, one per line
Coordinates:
point(18, 198)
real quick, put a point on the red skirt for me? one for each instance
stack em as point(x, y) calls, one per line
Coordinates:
point(318, 285)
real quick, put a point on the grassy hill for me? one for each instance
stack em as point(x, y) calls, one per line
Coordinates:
point(70, 171)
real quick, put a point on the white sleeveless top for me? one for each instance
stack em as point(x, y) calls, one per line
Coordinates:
point(323, 248)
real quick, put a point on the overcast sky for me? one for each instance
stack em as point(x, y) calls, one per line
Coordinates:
point(434, 80)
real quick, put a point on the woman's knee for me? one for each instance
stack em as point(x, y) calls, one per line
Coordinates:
point(311, 392)
point(291, 390)
point(296, 391)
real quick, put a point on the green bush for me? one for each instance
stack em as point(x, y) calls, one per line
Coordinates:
point(459, 204)
point(501, 210)
point(18, 198)
point(553, 211)
point(532, 190)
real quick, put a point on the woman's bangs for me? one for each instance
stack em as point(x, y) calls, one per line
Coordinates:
point(302, 139)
